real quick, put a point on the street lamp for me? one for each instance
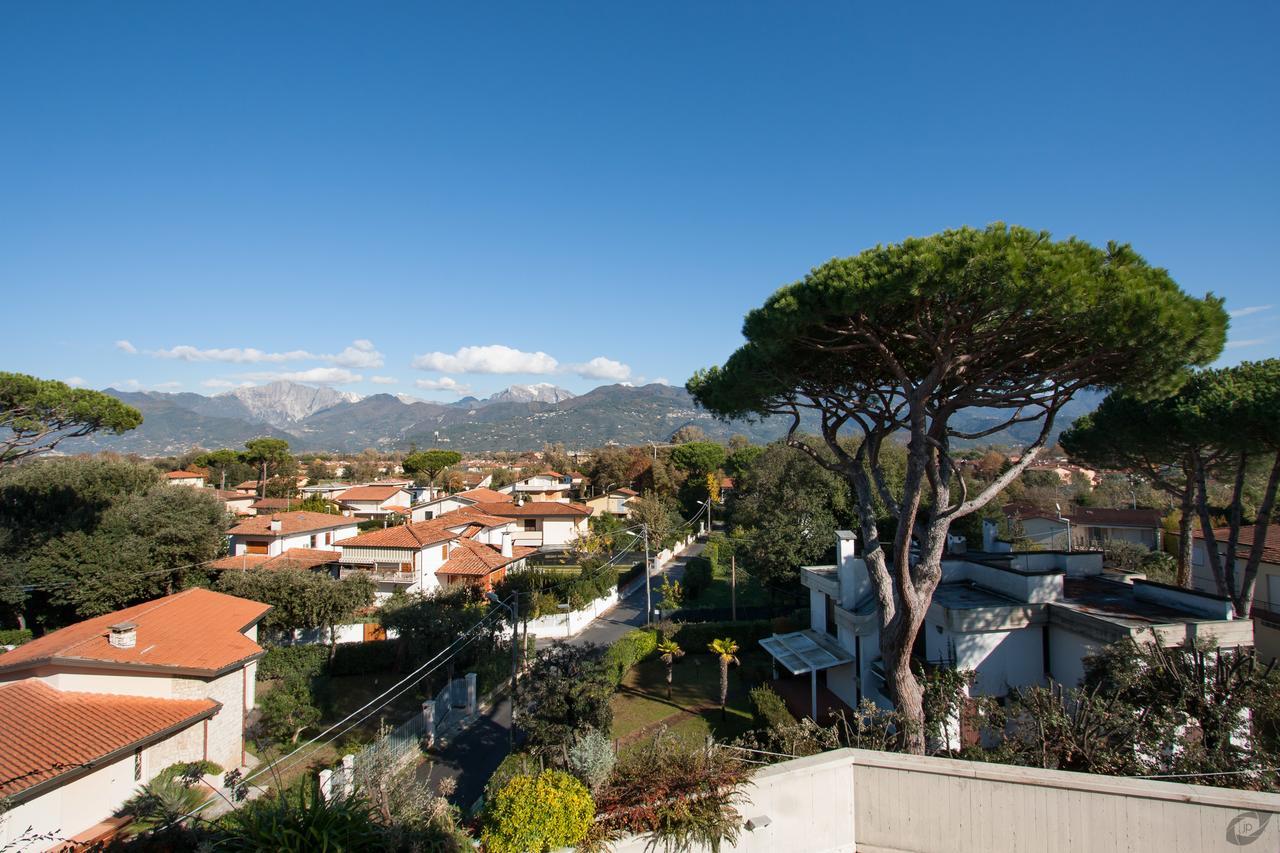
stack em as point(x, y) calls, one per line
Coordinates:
point(514, 610)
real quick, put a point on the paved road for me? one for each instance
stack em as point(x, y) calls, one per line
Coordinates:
point(471, 757)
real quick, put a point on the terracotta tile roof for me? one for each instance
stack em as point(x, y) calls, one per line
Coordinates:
point(632, 493)
point(184, 475)
point(292, 558)
point(419, 534)
point(484, 496)
point(535, 509)
point(294, 521)
point(248, 484)
point(369, 493)
point(274, 503)
point(228, 495)
point(475, 559)
point(48, 732)
point(1270, 545)
point(195, 630)
point(1101, 516)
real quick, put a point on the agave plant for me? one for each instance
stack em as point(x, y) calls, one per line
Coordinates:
point(163, 801)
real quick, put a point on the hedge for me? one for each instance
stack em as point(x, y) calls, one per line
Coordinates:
point(14, 636)
point(362, 658)
point(282, 661)
point(627, 651)
point(771, 711)
point(630, 574)
point(694, 636)
point(697, 577)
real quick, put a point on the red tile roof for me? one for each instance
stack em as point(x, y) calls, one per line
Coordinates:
point(1101, 516)
point(1270, 544)
point(292, 558)
point(484, 496)
point(275, 503)
point(420, 534)
point(535, 509)
point(184, 475)
point(474, 559)
point(292, 522)
point(48, 732)
point(369, 493)
point(196, 630)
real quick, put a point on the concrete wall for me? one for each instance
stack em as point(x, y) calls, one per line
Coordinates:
point(912, 803)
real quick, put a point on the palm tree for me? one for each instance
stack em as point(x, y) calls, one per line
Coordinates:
point(727, 651)
point(670, 651)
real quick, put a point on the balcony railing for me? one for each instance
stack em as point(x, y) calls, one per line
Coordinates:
point(405, 576)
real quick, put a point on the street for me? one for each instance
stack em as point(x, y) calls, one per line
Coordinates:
point(470, 758)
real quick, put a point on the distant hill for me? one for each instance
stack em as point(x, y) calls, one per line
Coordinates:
point(317, 419)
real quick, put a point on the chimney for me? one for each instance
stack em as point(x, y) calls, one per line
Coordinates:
point(276, 525)
point(506, 544)
point(124, 635)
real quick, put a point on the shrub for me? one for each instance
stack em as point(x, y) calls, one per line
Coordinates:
point(1126, 556)
point(1160, 567)
point(515, 764)
point(696, 635)
point(14, 636)
point(189, 770)
point(697, 577)
point(591, 759)
point(630, 574)
point(299, 821)
point(537, 813)
point(771, 711)
point(631, 648)
point(283, 661)
point(161, 802)
point(362, 658)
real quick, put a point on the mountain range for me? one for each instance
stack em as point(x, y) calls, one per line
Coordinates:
point(522, 417)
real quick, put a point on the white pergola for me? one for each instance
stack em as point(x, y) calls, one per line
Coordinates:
point(807, 651)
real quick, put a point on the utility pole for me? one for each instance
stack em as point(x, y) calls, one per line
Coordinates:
point(648, 595)
point(515, 666)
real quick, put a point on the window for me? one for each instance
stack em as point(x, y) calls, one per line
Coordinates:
point(444, 551)
point(531, 524)
point(830, 617)
point(328, 538)
point(137, 765)
point(255, 547)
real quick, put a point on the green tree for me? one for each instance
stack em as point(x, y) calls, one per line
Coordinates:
point(669, 651)
point(662, 523)
point(726, 652)
point(534, 814)
point(902, 338)
point(38, 414)
point(430, 463)
point(270, 455)
point(288, 709)
point(566, 692)
point(302, 600)
point(699, 458)
point(226, 467)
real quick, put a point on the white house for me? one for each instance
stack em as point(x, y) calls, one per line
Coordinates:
point(543, 524)
point(1087, 527)
point(434, 508)
point(185, 478)
point(272, 535)
point(612, 503)
point(91, 711)
point(237, 503)
point(376, 501)
point(545, 486)
point(1266, 596)
point(1015, 619)
point(463, 546)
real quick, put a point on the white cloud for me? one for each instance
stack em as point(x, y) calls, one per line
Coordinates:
point(127, 347)
point(1251, 342)
point(662, 380)
point(128, 385)
point(74, 381)
point(1248, 311)
point(316, 375)
point(166, 386)
point(494, 358)
point(602, 368)
point(225, 383)
point(383, 380)
point(360, 354)
point(444, 383)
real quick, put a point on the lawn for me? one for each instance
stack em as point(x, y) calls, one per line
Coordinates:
point(693, 711)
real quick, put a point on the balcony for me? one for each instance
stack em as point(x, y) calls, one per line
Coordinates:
point(380, 574)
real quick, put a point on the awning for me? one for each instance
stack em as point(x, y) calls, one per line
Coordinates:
point(806, 651)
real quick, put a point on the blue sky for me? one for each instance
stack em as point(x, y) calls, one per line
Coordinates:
point(403, 197)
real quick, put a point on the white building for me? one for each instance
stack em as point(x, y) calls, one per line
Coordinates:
point(1087, 527)
point(185, 478)
point(436, 507)
point(546, 486)
point(1015, 619)
point(1266, 591)
point(272, 535)
point(90, 712)
point(376, 501)
point(543, 524)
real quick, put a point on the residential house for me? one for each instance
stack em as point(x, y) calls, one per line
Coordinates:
point(272, 535)
point(1014, 618)
point(266, 506)
point(549, 525)
point(462, 546)
point(542, 487)
point(375, 501)
point(327, 491)
point(612, 503)
point(236, 503)
point(443, 504)
point(185, 478)
point(249, 487)
point(90, 712)
point(301, 559)
point(1266, 596)
point(1087, 527)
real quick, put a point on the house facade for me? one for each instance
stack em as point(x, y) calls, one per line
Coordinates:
point(436, 507)
point(612, 503)
point(97, 708)
point(543, 524)
point(1087, 527)
point(185, 478)
point(1016, 619)
point(272, 535)
point(375, 501)
point(545, 486)
point(1266, 596)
